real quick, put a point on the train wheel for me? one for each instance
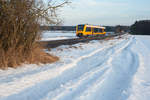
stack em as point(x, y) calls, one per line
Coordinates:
point(80, 35)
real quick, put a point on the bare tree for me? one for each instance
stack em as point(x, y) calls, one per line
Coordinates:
point(19, 28)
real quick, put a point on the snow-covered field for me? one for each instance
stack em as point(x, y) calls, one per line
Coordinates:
point(60, 35)
point(117, 69)
point(57, 35)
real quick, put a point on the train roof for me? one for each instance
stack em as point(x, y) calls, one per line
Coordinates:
point(95, 26)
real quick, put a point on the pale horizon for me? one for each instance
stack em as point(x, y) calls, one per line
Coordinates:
point(104, 12)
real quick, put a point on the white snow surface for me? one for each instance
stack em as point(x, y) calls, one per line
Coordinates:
point(117, 69)
point(57, 35)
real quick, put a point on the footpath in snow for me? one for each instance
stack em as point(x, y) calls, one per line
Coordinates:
point(116, 69)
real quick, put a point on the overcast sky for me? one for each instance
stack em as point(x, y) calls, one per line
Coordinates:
point(105, 12)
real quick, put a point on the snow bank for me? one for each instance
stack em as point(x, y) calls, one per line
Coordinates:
point(140, 86)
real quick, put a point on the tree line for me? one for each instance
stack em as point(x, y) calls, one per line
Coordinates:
point(117, 29)
point(141, 27)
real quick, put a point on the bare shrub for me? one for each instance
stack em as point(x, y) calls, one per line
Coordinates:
point(19, 30)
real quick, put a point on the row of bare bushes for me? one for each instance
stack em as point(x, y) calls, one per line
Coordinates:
point(19, 31)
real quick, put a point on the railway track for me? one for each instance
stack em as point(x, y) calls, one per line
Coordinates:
point(56, 43)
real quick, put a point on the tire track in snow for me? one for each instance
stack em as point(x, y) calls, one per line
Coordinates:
point(23, 82)
point(90, 78)
point(49, 74)
point(44, 84)
point(79, 85)
point(73, 88)
point(114, 86)
point(139, 89)
point(28, 93)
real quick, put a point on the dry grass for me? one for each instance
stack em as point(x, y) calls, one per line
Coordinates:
point(109, 38)
point(16, 58)
point(39, 56)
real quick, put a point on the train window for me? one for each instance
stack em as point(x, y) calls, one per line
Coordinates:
point(88, 29)
point(95, 30)
point(80, 27)
point(100, 30)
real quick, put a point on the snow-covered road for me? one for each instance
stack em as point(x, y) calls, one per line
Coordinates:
point(116, 69)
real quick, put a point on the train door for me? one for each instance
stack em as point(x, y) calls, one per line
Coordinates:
point(88, 31)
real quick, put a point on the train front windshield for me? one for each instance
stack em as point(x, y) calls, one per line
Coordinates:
point(80, 27)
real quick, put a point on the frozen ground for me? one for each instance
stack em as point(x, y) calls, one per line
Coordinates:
point(57, 35)
point(117, 69)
